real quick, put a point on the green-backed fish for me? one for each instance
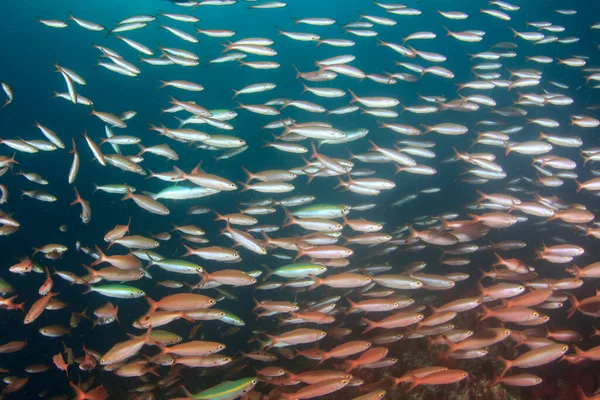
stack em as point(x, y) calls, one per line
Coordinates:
point(183, 193)
point(322, 211)
point(255, 273)
point(117, 291)
point(146, 255)
point(227, 294)
point(230, 318)
point(223, 115)
point(296, 271)
point(177, 266)
point(113, 188)
point(228, 390)
point(5, 287)
point(165, 338)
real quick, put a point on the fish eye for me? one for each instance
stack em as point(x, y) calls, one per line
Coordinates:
point(536, 314)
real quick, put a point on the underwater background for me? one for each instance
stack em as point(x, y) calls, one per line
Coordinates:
point(29, 51)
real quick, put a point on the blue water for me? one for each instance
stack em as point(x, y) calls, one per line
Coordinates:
point(30, 49)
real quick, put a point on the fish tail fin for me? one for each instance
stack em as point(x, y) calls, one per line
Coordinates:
point(219, 217)
point(189, 250)
point(152, 370)
point(311, 176)
point(257, 304)
point(574, 306)
point(318, 282)
point(574, 270)
point(128, 194)
point(507, 365)
point(78, 198)
point(245, 186)
point(427, 128)
point(414, 383)
point(301, 253)
point(12, 305)
point(250, 174)
point(304, 87)
point(346, 240)
point(412, 232)
point(487, 313)
point(500, 260)
point(451, 347)
point(153, 304)
point(354, 97)
point(482, 196)
point(148, 336)
point(297, 71)
point(370, 325)
point(91, 271)
point(579, 185)
point(475, 217)
point(266, 268)
point(272, 341)
point(267, 241)
point(101, 259)
point(314, 153)
point(289, 219)
point(353, 305)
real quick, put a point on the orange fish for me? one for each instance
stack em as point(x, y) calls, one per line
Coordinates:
point(535, 358)
point(59, 361)
point(38, 308)
point(439, 378)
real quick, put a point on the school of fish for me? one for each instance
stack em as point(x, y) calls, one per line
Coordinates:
point(341, 292)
